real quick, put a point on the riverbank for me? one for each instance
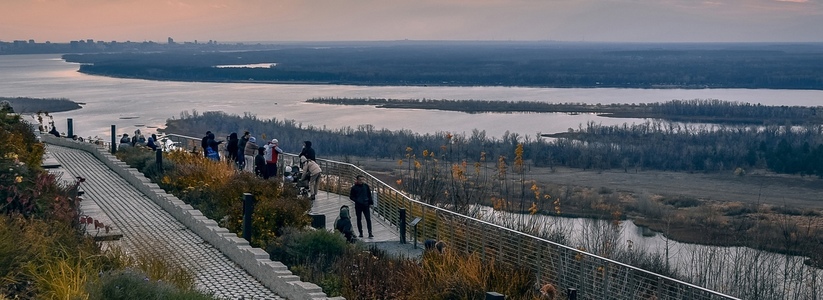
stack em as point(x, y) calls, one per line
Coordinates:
point(25, 105)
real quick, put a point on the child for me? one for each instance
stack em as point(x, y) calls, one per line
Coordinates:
point(343, 224)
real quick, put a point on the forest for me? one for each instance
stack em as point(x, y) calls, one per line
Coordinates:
point(653, 145)
point(695, 110)
point(527, 64)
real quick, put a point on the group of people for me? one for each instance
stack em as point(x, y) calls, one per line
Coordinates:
point(248, 155)
point(138, 140)
point(262, 160)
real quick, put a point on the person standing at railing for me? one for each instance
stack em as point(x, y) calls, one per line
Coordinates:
point(260, 162)
point(272, 154)
point(241, 150)
point(204, 144)
point(361, 195)
point(231, 147)
point(212, 147)
point(152, 143)
point(308, 151)
point(54, 131)
point(249, 151)
point(125, 142)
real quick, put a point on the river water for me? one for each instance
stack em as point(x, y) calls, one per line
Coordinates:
point(132, 103)
point(152, 102)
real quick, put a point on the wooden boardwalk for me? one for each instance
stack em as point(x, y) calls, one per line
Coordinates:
point(386, 237)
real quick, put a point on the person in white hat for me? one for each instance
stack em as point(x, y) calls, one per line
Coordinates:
point(272, 153)
point(249, 151)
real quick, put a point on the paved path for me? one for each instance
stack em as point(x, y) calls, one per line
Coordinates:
point(386, 237)
point(145, 224)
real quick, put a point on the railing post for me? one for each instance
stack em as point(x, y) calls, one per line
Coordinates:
point(158, 159)
point(495, 296)
point(70, 127)
point(402, 225)
point(572, 293)
point(113, 139)
point(248, 209)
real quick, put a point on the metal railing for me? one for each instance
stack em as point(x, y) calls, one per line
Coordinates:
point(592, 276)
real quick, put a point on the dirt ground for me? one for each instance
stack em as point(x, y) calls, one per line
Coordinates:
point(754, 187)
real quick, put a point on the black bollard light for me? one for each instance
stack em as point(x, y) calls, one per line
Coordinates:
point(402, 225)
point(70, 127)
point(248, 209)
point(158, 159)
point(113, 139)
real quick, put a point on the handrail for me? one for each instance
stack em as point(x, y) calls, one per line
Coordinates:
point(594, 277)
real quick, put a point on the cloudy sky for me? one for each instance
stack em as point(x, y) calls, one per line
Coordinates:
point(339, 20)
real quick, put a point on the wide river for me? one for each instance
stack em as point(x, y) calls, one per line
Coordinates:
point(115, 101)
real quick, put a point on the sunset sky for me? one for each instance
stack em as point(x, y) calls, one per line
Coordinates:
point(339, 20)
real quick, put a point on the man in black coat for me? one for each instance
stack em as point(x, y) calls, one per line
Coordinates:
point(205, 143)
point(361, 195)
point(308, 151)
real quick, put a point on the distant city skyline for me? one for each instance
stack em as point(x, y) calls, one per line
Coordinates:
point(226, 21)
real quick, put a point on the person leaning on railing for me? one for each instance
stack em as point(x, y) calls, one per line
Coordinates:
point(312, 174)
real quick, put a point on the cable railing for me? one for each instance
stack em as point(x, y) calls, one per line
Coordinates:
point(591, 276)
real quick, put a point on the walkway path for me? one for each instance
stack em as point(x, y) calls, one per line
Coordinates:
point(386, 237)
point(144, 223)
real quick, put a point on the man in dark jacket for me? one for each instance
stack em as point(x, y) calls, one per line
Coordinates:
point(308, 151)
point(231, 147)
point(241, 149)
point(214, 145)
point(205, 143)
point(260, 164)
point(361, 195)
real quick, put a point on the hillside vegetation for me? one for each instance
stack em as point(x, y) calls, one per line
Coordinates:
point(653, 145)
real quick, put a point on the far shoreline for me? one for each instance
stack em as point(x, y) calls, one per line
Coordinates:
point(303, 82)
point(26, 105)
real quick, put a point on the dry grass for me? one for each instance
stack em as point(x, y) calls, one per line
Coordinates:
point(64, 275)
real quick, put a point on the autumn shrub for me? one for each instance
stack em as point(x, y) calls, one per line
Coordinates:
point(453, 275)
point(46, 259)
point(217, 189)
point(296, 246)
point(26, 188)
point(130, 284)
point(19, 142)
point(144, 160)
point(136, 157)
point(374, 275)
point(196, 180)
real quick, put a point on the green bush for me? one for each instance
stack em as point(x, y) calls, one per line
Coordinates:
point(130, 284)
point(297, 246)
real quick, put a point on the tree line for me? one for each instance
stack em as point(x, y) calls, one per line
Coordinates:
point(657, 145)
point(695, 110)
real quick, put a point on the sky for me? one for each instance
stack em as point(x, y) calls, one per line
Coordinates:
point(381, 20)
